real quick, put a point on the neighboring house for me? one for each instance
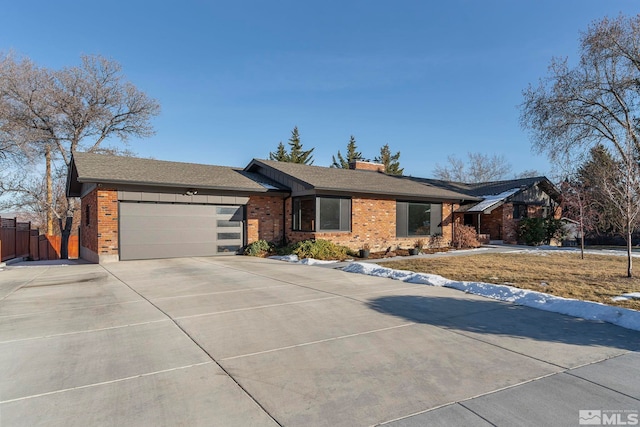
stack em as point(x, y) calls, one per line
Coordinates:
point(504, 204)
point(136, 208)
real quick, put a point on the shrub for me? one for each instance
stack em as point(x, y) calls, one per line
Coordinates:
point(465, 237)
point(259, 248)
point(555, 229)
point(437, 241)
point(539, 231)
point(532, 231)
point(320, 249)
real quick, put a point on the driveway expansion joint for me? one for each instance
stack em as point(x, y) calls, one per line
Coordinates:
point(209, 355)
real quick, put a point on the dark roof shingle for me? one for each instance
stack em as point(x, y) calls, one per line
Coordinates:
point(101, 168)
point(357, 181)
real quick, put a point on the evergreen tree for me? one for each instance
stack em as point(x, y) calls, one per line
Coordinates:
point(390, 161)
point(296, 153)
point(594, 175)
point(280, 154)
point(352, 155)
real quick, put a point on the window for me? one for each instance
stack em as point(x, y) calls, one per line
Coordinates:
point(329, 214)
point(519, 211)
point(304, 214)
point(418, 219)
point(87, 215)
point(227, 210)
point(229, 236)
point(321, 214)
point(225, 223)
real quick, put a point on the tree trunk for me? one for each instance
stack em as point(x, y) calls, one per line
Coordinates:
point(66, 233)
point(629, 257)
point(581, 231)
point(49, 196)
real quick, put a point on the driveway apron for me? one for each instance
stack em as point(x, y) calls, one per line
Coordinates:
point(247, 341)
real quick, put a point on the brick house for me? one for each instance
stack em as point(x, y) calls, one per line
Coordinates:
point(504, 204)
point(136, 208)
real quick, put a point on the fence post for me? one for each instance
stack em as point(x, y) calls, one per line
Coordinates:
point(15, 236)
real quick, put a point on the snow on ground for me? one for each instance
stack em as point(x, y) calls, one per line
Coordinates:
point(626, 297)
point(305, 261)
point(584, 309)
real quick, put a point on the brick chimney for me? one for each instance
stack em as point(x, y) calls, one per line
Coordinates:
point(366, 166)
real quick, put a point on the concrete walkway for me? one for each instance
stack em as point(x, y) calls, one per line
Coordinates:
point(244, 341)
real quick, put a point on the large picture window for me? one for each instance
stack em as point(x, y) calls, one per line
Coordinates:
point(418, 219)
point(321, 214)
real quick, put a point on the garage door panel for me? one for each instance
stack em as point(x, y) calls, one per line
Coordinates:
point(161, 230)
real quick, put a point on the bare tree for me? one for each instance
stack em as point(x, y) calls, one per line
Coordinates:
point(477, 168)
point(595, 102)
point(50, 114)
point(579, 205)
point(620, 186)
point(528, 173)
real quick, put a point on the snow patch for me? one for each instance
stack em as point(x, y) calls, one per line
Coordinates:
point(306, 261)
point(627, 297)
point(584, 309)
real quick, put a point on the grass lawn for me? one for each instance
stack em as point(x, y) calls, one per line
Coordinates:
point(596, 278)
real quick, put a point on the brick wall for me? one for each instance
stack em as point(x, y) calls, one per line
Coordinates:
point(265, 219)
point(491, 224)
point(448, 220)
point(373, 221)
point(99, 226)
point(89, 225)
point(367, 166)
point(107, 222)
point(509, 225)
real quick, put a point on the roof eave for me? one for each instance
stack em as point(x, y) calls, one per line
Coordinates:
point(175, 185)
point(397, 194)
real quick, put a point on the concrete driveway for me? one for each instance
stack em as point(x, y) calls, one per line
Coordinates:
point(239, 341)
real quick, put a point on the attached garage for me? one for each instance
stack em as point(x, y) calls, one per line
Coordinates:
point(136, 208)
point(165, 230)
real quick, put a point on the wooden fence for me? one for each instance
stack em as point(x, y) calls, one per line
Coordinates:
point(18, 240)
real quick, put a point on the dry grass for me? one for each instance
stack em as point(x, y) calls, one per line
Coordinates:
point(596, 278)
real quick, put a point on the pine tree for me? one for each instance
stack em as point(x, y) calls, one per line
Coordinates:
point(352, 155)
point(280, 154)
point(296, 153)
point(390, 161)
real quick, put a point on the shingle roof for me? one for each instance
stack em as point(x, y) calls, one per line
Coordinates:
point(497, 187)
point(357, 181)
point(101, 168)
point(484, 189)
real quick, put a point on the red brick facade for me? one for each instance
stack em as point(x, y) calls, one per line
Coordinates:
point(500, 224)
point(366, 166)
point(265, 216)
point(99, 225)
point(373, 222)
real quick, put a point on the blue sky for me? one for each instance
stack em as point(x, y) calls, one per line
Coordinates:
point(233, 78)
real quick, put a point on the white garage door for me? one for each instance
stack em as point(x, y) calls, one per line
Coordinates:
point(163, 230)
